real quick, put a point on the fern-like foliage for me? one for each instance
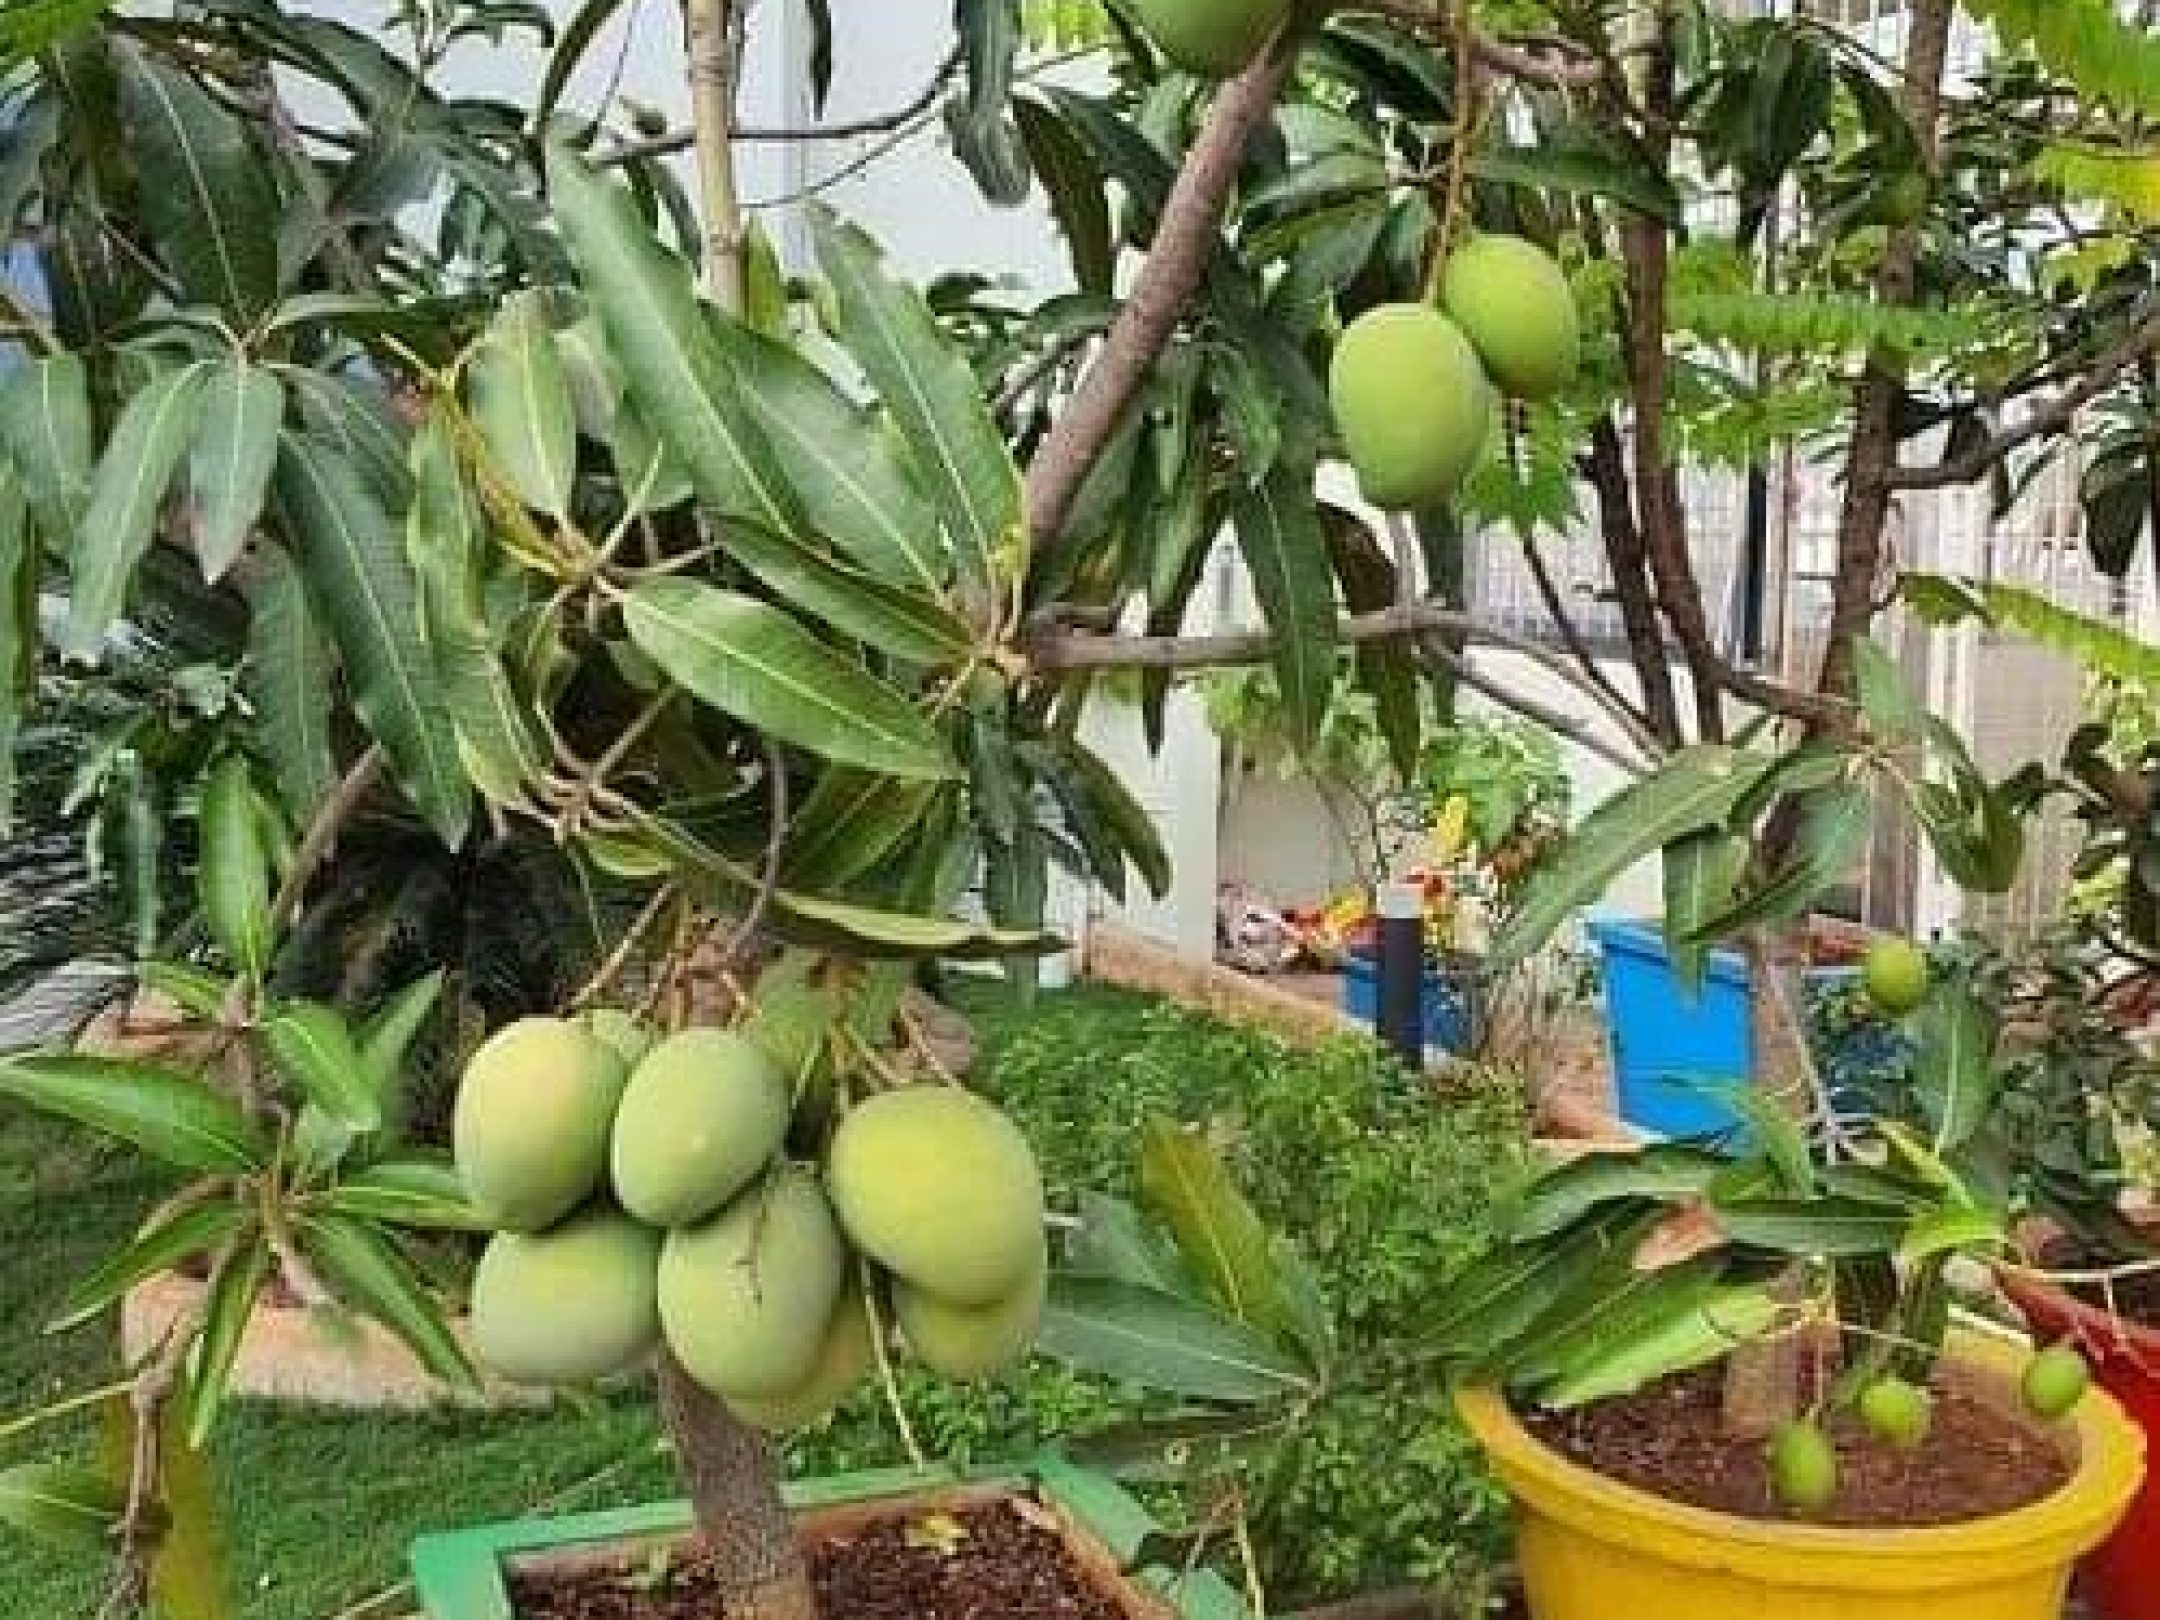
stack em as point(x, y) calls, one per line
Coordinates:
point(2124, 180)
point(1820, 323)
point(2086, 42)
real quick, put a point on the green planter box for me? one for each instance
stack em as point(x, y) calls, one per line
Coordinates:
point(459, 1574)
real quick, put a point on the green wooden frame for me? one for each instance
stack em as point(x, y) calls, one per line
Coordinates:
point(459, 1574)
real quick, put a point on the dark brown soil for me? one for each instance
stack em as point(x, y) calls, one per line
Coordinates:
point(980, 1562)
point(1669, 1439)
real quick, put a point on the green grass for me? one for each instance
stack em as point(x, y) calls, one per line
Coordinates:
point(316, 1507)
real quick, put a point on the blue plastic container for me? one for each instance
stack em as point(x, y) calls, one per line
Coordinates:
point(1450, 998)
point(1677, 1057)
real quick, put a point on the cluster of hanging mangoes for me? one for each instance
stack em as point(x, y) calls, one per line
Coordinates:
point(690, 1190)
point(1415, 386)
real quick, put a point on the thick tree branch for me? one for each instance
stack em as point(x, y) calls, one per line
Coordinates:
point(1185, 240)
point(2058, 413)
point(1873, 454)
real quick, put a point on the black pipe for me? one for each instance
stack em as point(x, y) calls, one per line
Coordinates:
point(1399, 948)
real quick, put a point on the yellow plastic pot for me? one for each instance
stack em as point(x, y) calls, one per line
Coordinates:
point(1594, 1549)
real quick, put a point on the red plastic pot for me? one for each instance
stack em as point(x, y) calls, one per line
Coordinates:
point(2123, 1577)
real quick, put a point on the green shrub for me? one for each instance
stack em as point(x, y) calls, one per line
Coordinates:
point(1383, 1183)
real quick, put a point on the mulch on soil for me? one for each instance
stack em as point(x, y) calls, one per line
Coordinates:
point(986, 1562)
point(1669, 1440)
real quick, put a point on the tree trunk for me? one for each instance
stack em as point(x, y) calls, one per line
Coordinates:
point(734, 1482)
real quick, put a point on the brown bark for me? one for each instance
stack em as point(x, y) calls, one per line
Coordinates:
point(1631, 581)
point(1185, 240)
point(734, 1483)
point(1872, 459)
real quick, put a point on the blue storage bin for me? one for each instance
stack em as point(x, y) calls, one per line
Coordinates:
point(1677, 1057)
point(1451, 1018)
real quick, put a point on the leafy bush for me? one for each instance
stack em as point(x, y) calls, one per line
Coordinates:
point(1384, 1183)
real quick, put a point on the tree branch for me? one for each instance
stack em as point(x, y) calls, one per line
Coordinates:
point(712, 25)
point(669, 142)
point(1873, 453)
point(1185, 240)
point(2058, 413)
point(322, 834)
point(1541, 63)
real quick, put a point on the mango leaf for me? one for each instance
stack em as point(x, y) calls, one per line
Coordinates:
point(658, 333)
point(1953, 1064)
point(2097, 643)
point(288, 671)
point(1885, 698)
point(205, 192)
point(171, 1116)
point(61, 1505)
point(420, 1193)
point(313, 1046)
point(1483, 1310)
point(386, 1038)
point(233, 875)
point(850, 822)
point(193, 989)
point(231, 459)
point(1823, 1226)
point(1079, 199)
point(1126, 819)
point(895, 620)
point(369, 1275)
point(356, 569)
point(1684, 1336)
point(1829, 836)
point(234, 1288)
point(1694, 789)
point(1279, 533)
point(1669, 1172)
point(748, 659)
point(1113, 1241)
point(1701, 873)
point(1954, 1228)
point(521, 404)
point(158, 1248)
point(1161, 1342)
point(446, 540)
point(930, 391)
point(1615, 1304)
point(847, 472)
point(1226, 1246)
point(125, 496)
point(45, 430)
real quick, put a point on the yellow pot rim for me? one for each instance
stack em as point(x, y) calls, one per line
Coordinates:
point(2064, 1525)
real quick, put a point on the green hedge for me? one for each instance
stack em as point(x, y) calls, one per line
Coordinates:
point(1384, 1183)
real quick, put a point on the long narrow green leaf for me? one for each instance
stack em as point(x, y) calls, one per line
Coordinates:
point(1694, 789)
point(845, 469)
point(521, 403)
point(850, 822)
point(386, 1038)
point(1128, 1332)
point(288, 672)
point(1953, 1064)
point(1701, 872)
point(658, 332)
point(420, 1193)
point(1285, 550)
point(61, 1505)
point(750, 660)
point(230, 462)
point(935, 401)
point(313, 1046)
point(368, 1274)
point(354, 561)
point(169, 1115)
point(1669, 1172)
point(45, 430)
point(233, 875)
point(1225, 1244)
point(1824, 1226)
point(446, 539)
point(206, 192)
point(1681, 1331)
point(158, 1248)
point(227, 1309)
point(117, 525)
point(891, 619)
